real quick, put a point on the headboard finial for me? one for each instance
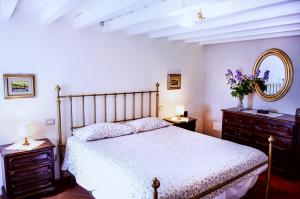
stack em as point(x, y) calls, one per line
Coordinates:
point(155, 185)
point(157, 85)
point(57, 88)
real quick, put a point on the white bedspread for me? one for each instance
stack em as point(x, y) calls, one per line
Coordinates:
point(185, 162)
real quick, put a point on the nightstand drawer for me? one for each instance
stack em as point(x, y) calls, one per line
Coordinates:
point(188, 125)
point(28, 175)
point(37, 186)
point(31, 159)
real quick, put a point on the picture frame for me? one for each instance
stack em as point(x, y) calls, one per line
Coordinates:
point(298, 113)
point(19, 86)
point(174, 81)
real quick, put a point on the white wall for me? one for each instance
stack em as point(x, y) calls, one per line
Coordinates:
point(90, 61)
point(243, 55)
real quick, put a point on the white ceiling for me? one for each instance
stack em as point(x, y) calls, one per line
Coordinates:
point(225, 20)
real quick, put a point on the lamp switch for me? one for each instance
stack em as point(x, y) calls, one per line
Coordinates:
point(50, 122)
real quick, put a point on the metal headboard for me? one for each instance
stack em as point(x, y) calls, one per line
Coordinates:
point(105, 96)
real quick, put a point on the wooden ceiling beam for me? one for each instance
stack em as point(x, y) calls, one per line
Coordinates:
point(55, 9)
point(247, 33)
point(153, 25)
point(210, 9)
point(255, 37)
point(7, 8)
point(273, 22)
point(159, 11)
point(260, 13)
point(98, 12)
point(153, 12)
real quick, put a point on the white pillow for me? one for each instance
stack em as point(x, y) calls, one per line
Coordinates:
point(147, 124)
point(103, 130)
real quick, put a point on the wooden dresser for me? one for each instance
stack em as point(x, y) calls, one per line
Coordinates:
point(253, 130)
point(28, 174)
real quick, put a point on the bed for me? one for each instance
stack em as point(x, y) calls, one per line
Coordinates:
point(178, 162)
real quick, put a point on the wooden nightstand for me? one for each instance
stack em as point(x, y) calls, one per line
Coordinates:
point(190, 125)
point(28, 174)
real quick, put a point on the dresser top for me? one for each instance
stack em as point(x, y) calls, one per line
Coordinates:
point(283, 117)
point(5, 152)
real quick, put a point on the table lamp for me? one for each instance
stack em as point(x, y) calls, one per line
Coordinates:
point(179, 110)
point(25, 131)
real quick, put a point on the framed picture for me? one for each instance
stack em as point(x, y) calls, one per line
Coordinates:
point(174, 81)
point(298, 113)
point(19, 85)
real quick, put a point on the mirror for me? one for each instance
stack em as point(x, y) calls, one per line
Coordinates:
point(281, 74)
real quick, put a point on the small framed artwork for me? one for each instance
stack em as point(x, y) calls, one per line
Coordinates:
point(19, 85)
point(174, 81)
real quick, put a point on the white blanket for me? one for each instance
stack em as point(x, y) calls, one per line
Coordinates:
point(185, 162)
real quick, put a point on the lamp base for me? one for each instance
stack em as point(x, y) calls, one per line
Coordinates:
point(26, 143)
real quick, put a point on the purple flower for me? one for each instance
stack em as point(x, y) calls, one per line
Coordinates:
point(252, 77)
point(266, 75)
point(229, 72)
point(240, 78)
point(232, 81)
point(238, 73)
point(257, 73)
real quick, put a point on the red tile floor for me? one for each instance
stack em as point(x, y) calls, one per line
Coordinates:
point(280, 189)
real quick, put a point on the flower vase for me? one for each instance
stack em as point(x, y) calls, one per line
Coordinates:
point(240, 106)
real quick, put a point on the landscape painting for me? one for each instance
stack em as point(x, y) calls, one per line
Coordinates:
point(174, 81)
point(19, 85)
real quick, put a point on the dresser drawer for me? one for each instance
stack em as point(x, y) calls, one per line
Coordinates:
point(278, 143)
point(237, 134)
point(32, 174)
point(276, 129)
point(31, 159)
point(241, 122)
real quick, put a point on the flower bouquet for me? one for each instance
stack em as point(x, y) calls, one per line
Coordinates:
point(242, 84)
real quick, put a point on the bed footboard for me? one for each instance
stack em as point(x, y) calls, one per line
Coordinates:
point(156, 183)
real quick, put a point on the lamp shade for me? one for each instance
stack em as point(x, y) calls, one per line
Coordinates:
point(25, 130)
point(179, 110)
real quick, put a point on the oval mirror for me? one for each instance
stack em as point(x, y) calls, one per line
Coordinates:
point(281, 74)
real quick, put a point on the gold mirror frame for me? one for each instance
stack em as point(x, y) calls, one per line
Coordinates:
point(289, 73)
